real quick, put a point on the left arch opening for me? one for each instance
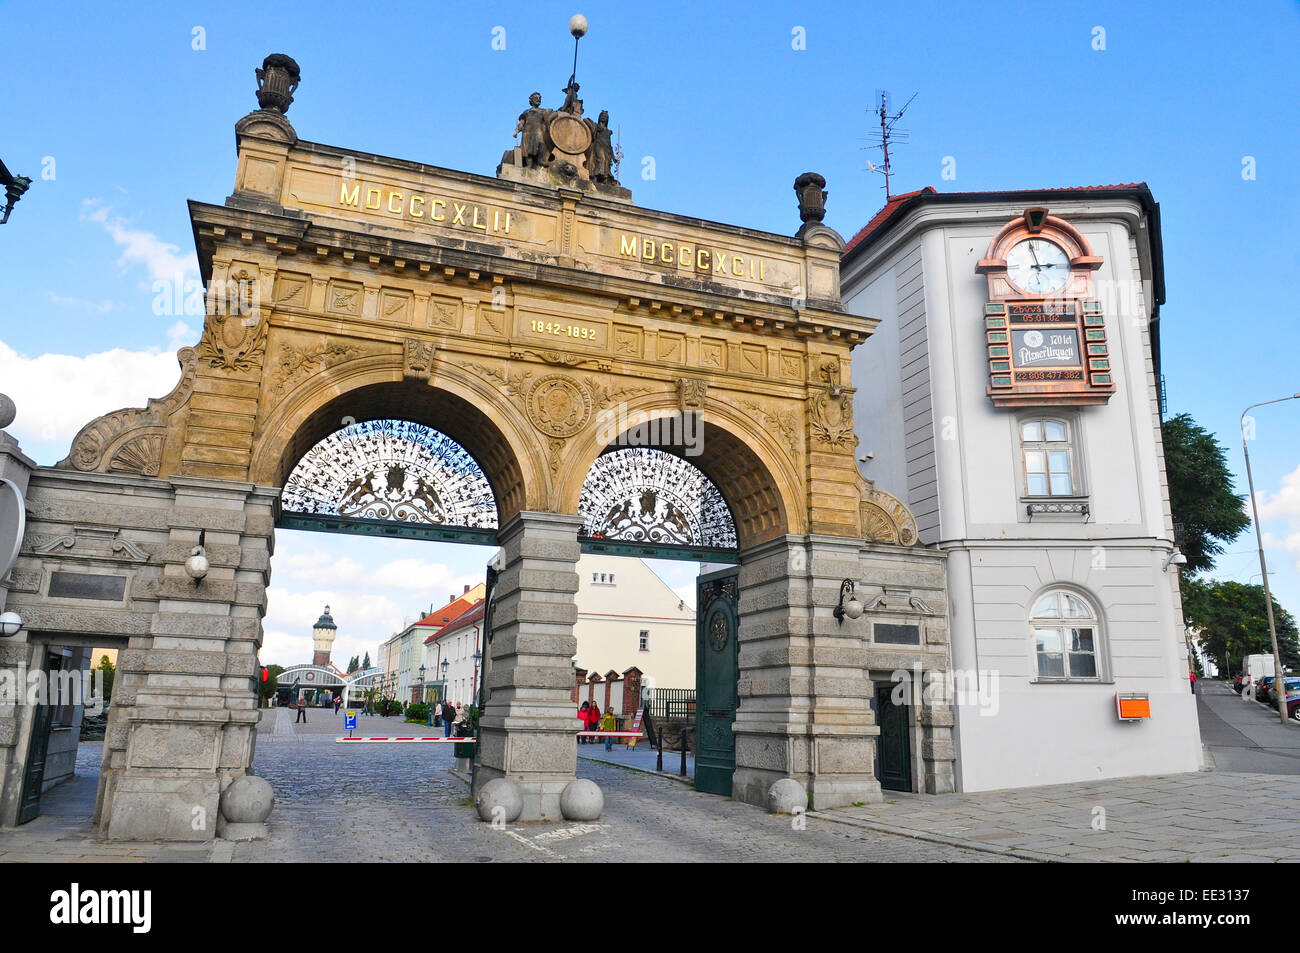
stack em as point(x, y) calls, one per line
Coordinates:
point(393, 471)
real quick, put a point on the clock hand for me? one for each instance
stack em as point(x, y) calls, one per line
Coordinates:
point(1037, 263)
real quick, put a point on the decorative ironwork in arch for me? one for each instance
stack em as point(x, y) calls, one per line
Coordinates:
point(393, 470)
point(644, 495)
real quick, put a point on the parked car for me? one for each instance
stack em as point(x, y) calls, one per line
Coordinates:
point(1293, 706)
point(1264, 692)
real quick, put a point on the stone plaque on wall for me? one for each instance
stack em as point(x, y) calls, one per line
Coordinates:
point(892, 634)
point(84, 585)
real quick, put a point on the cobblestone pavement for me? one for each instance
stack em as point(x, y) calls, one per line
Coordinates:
point(394, 803)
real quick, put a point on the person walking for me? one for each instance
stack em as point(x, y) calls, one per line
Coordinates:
point(338, 703)
point(593, 721)
point(583, 714)
point(609, 723)
point(302, 713)
point(1193, 677)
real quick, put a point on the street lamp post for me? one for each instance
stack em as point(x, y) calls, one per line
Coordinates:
point(473, 692)
point(1278, 673)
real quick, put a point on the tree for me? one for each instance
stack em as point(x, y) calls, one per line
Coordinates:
point(1207, 512)
point(353, 664)
point(365, 662)
point(107, 671)
point(1234, 623)
point(269, 686)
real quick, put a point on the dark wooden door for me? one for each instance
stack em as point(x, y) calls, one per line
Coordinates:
point(895, 748)
point(717, 670)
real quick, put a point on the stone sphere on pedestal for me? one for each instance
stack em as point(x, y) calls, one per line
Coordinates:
point(7, 411)
point(581, 800)
point(499, 797)
point(786, 797)
point(245, 805)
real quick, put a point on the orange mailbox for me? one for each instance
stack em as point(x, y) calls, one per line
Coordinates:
point(1132, 707)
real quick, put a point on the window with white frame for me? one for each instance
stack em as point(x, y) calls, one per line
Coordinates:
point(1048, 457)
point(643, 640)
point(1066, 634)
point(602, 578)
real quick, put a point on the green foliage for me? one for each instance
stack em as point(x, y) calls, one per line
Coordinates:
point(1206, 511)
point(353, 664)
point(1234, 622)
point(267, 689)
point(365, 662)
point(417, 711)
point(108, 672)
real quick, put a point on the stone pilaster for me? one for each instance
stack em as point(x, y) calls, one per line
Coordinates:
point(15, 655)
point(527, 729)
point(185, 714)
point(804, 688)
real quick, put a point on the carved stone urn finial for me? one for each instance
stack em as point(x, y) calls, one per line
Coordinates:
point(276, 81)
point(812, 198)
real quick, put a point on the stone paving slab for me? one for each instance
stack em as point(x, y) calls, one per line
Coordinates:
point(1174, 817)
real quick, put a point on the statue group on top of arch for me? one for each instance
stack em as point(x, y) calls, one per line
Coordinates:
point(563, 147)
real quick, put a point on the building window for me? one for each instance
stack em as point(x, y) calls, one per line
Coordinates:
point(643, 641)
point(1048, 457)
point(1065, 636)
point(603, 578)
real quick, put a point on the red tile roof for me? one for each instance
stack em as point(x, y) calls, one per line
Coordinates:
point(893, 207)
point(466, 618)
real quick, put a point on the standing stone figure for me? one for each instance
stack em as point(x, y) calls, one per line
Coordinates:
point(600, 154)
point(532, 123)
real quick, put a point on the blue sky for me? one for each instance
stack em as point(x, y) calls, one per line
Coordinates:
point(120, 119)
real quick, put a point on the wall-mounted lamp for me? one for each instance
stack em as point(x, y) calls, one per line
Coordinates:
point(1175, 558)
point(196, 564)
point(852, 608)
point(10, 624)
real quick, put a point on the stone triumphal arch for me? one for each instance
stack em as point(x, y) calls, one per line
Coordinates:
point(536, 318)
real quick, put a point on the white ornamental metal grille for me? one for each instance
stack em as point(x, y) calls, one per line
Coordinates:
point(645, 495)
point(391, 470)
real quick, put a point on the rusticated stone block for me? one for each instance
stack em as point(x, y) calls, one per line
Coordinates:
point(174, 661)
point(173, 746)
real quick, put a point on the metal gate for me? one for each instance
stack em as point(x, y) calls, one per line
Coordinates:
point(717, 670)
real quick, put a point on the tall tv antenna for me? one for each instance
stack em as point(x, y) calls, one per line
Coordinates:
point(888, 135)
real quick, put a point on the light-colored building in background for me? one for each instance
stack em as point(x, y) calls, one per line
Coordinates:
point(457, 643)
point(402, 655)
point(1055, 517)
point(628, 616)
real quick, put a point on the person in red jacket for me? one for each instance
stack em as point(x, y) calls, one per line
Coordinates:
point(593, 720)
point(583, 713)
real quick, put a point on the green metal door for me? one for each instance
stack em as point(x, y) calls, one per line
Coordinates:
point(717, 670)
point(34, 776)
point(894, 765)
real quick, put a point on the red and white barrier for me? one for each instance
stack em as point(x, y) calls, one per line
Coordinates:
point(432, 739)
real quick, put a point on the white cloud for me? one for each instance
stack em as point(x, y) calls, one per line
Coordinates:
point(58, 394)
point(1283, 504)
point(1279, 507)
point(162, 260)
point(83, 304)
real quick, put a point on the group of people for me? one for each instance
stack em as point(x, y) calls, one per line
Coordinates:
point(592, 720)
point(451, 716)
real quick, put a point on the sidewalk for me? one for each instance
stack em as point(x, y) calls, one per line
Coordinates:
point(643, 758)
point(1198, 817)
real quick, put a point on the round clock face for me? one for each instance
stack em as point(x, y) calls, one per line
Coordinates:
point(1037, 266)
